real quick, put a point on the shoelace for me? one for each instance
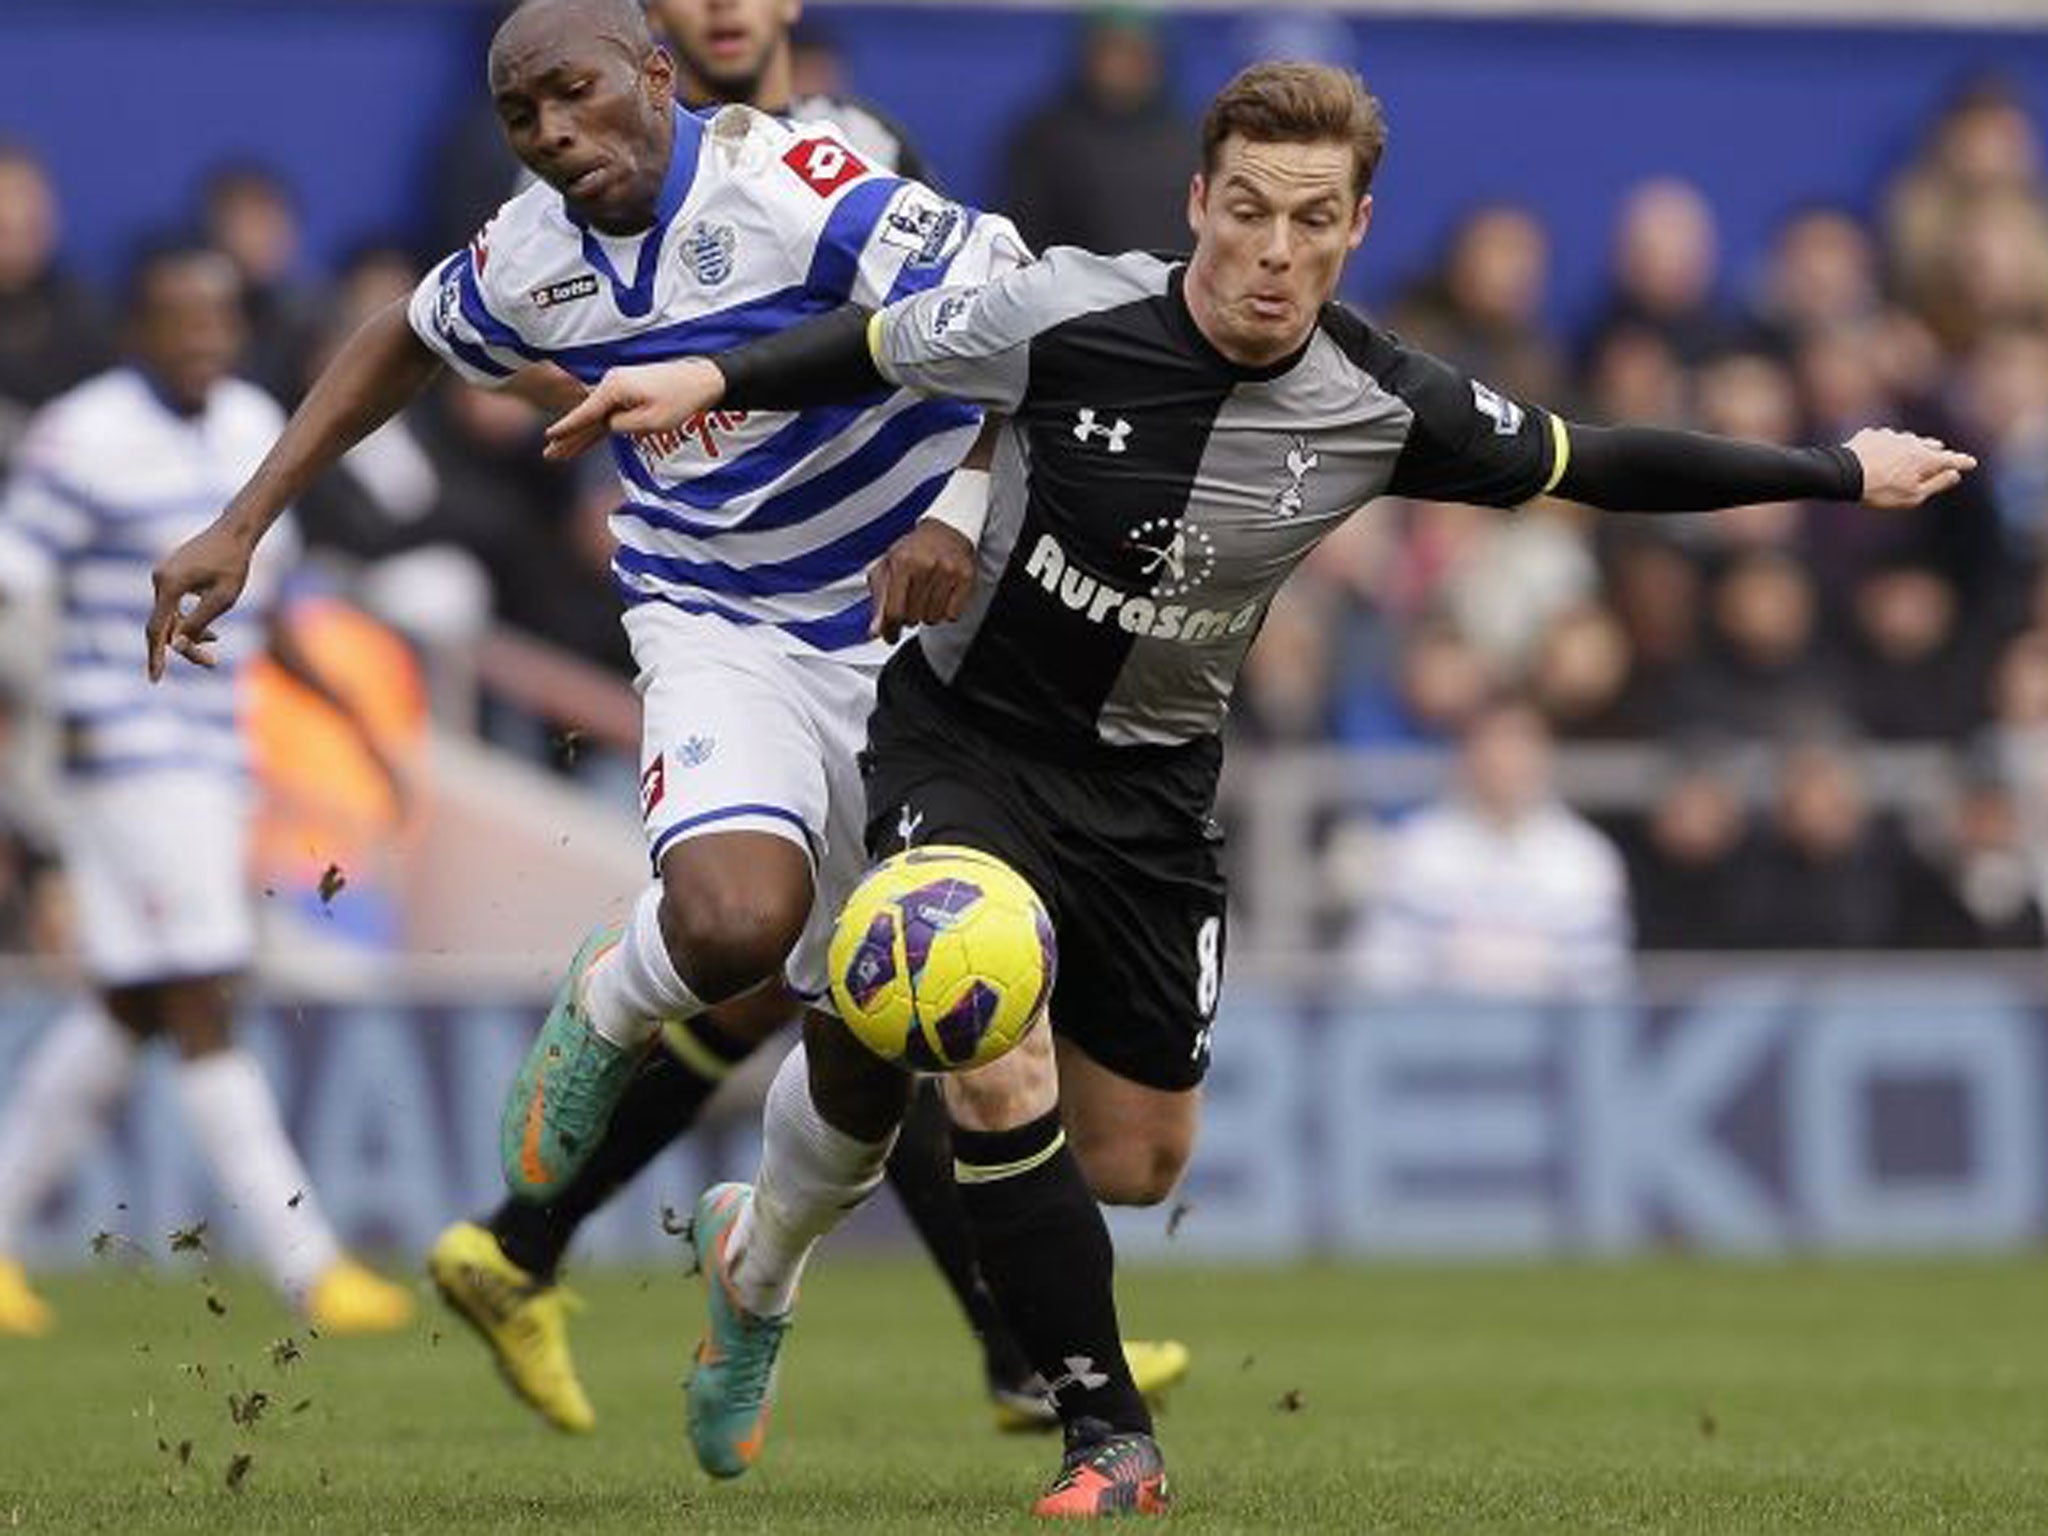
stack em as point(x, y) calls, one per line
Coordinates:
point(1102, 1458)
point(580, 1093)
point(751, 1370)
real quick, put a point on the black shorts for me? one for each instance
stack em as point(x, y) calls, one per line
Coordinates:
point(1126, 858)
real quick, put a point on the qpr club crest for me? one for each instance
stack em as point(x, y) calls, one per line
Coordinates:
point(709, 250)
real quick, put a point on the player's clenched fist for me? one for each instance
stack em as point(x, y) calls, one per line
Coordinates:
point(1901, 470)
point(923, 579)
point(650, 397)
point(195, 584)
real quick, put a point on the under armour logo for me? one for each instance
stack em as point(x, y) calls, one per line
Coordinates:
point(1300, 460)
point(1086, 426)
point(1080, 1373)
point(907, 824)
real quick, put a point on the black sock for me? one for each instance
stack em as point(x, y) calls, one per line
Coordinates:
point(921, 1173)
point(1044, 1250)
point(659, 1104)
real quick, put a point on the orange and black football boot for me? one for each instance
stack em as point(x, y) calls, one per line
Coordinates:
point(1106, 1474)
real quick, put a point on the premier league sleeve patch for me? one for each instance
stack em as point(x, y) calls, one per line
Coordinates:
point(926, 225)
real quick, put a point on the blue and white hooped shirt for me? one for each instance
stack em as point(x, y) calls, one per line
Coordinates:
point(108, 480)
point(763, 518)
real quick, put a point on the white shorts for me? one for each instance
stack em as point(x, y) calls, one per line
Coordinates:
point(739, 735)
point(159, 879)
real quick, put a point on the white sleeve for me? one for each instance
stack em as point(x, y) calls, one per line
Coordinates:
point(45, 516)
point(451, 313)
point(921, 241)
point(1393, 947)
point(1600, 950)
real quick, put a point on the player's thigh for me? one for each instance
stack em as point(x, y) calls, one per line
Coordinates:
point(1141, 952)
point(734, 792)
point(1132, 1141)
point(157, 864)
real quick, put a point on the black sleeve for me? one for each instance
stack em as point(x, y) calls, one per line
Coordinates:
point(824, 361)
point(1467, 442)
point(1652, 469)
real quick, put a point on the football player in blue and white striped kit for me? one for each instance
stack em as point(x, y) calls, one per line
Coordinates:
point(747, 543)
point(155, 791)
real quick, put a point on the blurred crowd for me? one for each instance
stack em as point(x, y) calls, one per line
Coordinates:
point(1818, 629)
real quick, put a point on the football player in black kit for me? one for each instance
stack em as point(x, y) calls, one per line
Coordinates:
point(1183, 433)
point(501, 1273)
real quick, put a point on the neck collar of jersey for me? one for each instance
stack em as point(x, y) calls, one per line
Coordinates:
point(165, 398)
point(637, 297)
point(1177, 307)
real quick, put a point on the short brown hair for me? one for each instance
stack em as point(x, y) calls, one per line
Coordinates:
point(1299, 104)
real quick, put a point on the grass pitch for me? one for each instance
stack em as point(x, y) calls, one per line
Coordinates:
point(1665, 1397)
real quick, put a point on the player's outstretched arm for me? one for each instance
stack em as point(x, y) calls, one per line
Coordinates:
point(377, 371)
point(1901, 470)
point(825, 361)
point(645, 397)
point(1652, 469)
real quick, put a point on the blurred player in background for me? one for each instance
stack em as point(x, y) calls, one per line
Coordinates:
point(1181, 435)
point(744, 547)
point(156, 798)
point(740, 51)
point(1551, 919)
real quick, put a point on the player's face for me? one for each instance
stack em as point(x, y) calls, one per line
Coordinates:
point(188, 330)
point(726, 45)
point(1273, 225)
point(1507, 763)
point(589, 120)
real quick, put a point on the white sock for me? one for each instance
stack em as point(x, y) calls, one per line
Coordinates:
point(812, 1178)
point(74, 1077)
point(633, 988)
point(233, 1113)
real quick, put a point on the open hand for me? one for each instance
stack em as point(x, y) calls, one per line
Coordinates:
point(195, 584)
point(1900, 470)
point(924, 578)
point(648, 397)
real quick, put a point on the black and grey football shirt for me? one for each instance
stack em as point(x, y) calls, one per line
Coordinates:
point(1151, 495)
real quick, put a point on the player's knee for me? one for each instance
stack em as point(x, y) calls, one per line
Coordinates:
point(1010, 1091)
point(1130, 1170)
point(727, 936)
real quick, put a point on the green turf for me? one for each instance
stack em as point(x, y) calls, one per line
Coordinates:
point(1666, 1397)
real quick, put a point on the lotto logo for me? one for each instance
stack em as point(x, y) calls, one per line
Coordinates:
point(826, 165)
